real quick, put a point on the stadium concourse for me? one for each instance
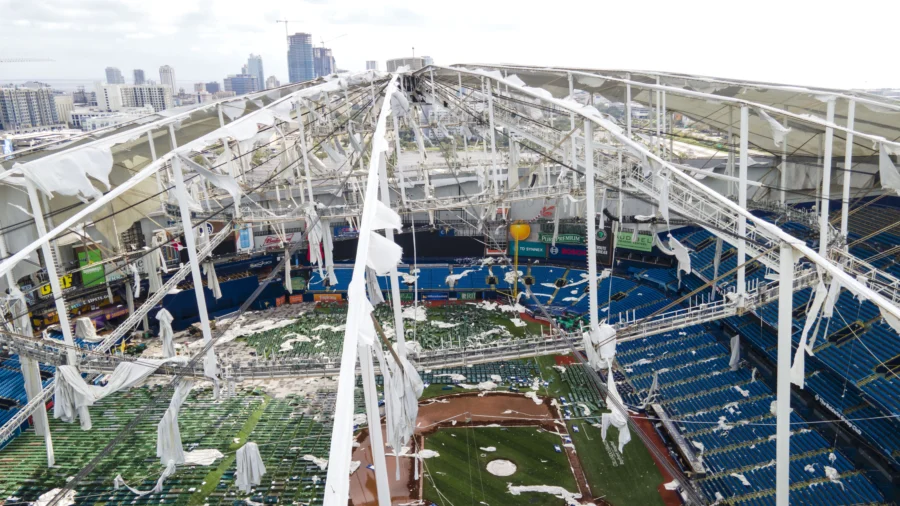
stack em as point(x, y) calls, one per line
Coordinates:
point(479, 284)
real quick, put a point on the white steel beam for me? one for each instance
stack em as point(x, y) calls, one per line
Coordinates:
point(848, 166)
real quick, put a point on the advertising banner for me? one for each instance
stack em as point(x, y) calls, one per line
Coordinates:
point(529, 249)
point(244, 239)
point(295, 299)
point(328, 297)
point(345, 232)
point(92, 276)
point(644, 242)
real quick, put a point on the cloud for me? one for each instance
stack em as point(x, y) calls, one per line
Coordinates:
point(385, 16)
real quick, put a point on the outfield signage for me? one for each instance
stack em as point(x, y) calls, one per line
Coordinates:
point(436, 296)
point(625, 240)
point(529, 249)
point(547, 238)
point(406, 295)
point(327, 297)
point(467, 295)
point(244, 239)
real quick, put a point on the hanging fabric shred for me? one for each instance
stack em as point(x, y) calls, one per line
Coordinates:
point(155, 262)
point(617, 418)
point(137, 280)
point(890, 177)
point(402, 389)
point(798, 368)
point(314, 235)
point(834, 291)
point(662, 182)
point(717, 260)
point(72, 395)
point(168, 435)
point(287, 271)
point(328, 249)
point(212, 280)
point(735, 353)
point(372, 289)
point(165, 332)
point(779, 131)
point(119, 482)
point(250, 467)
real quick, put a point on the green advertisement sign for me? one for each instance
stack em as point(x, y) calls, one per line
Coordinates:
point(298, 283)
point(569, 238)
point(92, 276)
point(624, 240)
point(406, 295)
point(529, 249)
point(466, 295)
point(547, 238)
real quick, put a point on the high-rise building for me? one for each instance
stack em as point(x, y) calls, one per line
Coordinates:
point(272, 82)
point(114, 76)
point(255, 69)
point(114, 97)
point(64, 105)
point(323, 61)
point(414, 63)
point(213, 87)
point(198, 87)
point(27, 108)
point(139, 77)
point(300, 58)
point(167, 77)
point(427, 60)
point(371, 65)
point(241, 84)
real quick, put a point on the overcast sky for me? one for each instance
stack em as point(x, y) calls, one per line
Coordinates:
point(791, 41)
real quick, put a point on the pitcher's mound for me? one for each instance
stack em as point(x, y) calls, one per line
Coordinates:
point(501, 467)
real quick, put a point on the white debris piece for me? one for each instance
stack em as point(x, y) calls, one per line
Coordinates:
point(742, 478)
point(322, 463)
point(250, 468)
point(560, 492)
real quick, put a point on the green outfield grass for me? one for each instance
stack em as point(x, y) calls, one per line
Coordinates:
point(622, 479)
point(459, 475)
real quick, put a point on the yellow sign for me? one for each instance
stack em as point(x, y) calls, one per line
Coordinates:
point(64, 282)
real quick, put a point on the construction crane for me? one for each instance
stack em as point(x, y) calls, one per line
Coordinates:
point(286, 21)
point(323, 42)
point(25, 60)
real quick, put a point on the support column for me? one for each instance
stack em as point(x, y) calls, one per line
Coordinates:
point(191, 245)
point(658, 143)
point(784, 144)
point(591, 218)
point(52, 273)
point(302, 134)
point(572, 125)
point(494, 168)
point(31, 371)
point(465, 137)
point(826, 181)
point(400, 177)
point(628, 106)
point(742, 201)
point(783, 391)
point(729, 165)
point(848, 165)
point(399, 332)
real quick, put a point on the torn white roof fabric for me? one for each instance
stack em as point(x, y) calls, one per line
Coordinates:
point(72, 395)
point(119, 482)
point(250, 467)
point(165, 332)
point(168, 435)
